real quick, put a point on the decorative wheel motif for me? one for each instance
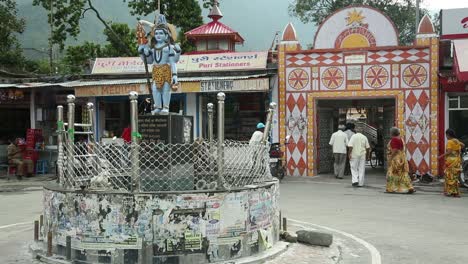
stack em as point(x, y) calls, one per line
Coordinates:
point(376, 76)
point(414, 75)
point(332, 78)
point(298, 79)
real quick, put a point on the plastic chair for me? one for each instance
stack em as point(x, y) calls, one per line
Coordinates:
point(11, 170)
point(41, 167)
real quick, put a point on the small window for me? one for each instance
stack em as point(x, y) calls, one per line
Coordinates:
point(453, 104)
point(463, 101)
point(212, 44)
point(201, 45)
point(223, 44)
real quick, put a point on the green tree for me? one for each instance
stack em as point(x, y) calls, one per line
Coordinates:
point(10, 52)
point(401, 12)
point(184, 14)
point(66, 16)
point(126, 36)
point(77, 57)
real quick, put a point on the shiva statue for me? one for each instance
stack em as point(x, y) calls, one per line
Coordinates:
point(160, 50)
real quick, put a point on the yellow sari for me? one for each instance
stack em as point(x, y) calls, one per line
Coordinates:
point(452, 167)
point(398, 180)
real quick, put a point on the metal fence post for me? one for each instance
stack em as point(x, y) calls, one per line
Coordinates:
point(221, 98)
point(60, 130)
point(36, 230)
point(269, 120)
point(70, 132)
point(135, 138)
point(68, 248)
point(49, 244)
point(210, 107)
point(92, 123)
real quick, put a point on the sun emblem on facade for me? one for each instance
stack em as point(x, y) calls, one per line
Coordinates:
point(354, 18)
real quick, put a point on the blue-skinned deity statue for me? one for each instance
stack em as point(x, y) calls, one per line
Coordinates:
point(159, 49)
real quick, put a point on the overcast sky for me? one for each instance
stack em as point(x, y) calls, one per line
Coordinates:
point(257, 24)
point(445, 4)
point(258, 20)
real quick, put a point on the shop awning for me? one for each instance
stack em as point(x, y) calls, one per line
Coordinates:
point(461, 59)
point(200, 84)
point(25, 85)
point(142, 80)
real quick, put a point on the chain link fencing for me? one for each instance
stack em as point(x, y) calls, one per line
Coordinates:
point(156, 167)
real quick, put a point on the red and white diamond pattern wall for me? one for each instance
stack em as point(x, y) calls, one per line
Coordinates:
point(307, 60)
point(417, 127)
point(296, 128)
point(398, 56)
point(414, 55)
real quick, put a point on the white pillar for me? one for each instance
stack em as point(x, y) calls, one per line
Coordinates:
point(32, 109)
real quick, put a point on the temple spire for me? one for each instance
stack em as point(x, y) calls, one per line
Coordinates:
point(215, 13)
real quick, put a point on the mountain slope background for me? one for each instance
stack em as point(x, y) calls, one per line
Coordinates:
point(257, 21)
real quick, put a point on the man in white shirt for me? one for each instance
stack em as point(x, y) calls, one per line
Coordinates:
point(358, 151)
point(339, 142)
point(257, 135)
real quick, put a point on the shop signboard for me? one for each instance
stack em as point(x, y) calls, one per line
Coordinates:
point(110, 90)
point(187, 63)
point(454, 23)
point(255, 84)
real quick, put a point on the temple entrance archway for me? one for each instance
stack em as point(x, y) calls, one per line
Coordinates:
point(374, 117)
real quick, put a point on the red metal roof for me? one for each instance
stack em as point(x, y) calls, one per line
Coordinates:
point(214, 28)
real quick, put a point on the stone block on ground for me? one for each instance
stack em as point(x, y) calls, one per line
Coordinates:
point(314, 238)
point(288, 237)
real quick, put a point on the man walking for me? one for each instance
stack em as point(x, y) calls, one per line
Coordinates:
point(349, 132)
point(358, 151)
point(339, 142)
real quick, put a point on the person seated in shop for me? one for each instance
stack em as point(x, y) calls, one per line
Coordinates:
point(15, 157)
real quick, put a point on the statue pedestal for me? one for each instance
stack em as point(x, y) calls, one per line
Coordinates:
point(168, 129)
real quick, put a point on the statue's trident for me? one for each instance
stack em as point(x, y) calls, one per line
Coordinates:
point(142, 40)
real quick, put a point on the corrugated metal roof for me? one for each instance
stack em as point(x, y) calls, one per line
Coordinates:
point(136, 81)
point(214, 28)
point(6, 85)
point(81, 83)
point(101, 82)
point(26, 85)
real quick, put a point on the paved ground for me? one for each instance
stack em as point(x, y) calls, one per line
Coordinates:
point(422, 228)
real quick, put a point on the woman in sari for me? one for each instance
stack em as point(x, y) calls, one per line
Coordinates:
point(452, 164)
point(398, 180)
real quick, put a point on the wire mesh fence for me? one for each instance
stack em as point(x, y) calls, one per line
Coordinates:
point(155, 167)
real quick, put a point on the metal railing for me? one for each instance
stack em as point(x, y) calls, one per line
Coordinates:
point(142, 166)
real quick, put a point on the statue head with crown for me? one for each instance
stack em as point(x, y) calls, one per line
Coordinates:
point(161, 51)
